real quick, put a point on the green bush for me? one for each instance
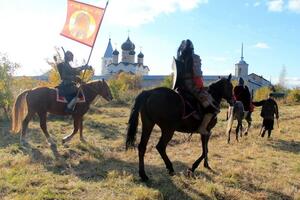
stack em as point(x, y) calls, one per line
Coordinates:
point(6, 72)
point(167, 82)
point(262, 93)
point(293, 96)
point(124, 86)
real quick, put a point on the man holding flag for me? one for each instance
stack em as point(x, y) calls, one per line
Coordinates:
point(69, 77)
point(82, 25)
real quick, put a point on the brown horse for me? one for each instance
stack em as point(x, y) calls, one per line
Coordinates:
point(42, 100)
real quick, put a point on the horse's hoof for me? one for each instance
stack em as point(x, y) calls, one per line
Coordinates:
point(171, 173)
point(207, 166)
point(23, 142)
point(190, 173)
point(83, 140)
point(143, 176)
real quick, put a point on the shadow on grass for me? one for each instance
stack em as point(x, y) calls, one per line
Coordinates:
point(98, 168)
point(283, 145)
point(107, 131)
point(271, 194)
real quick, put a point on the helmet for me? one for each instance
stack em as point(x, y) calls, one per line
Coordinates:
point(69, 56)
point(186, 48)
point(189, 44)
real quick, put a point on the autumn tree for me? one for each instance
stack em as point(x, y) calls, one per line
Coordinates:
point(6, 71)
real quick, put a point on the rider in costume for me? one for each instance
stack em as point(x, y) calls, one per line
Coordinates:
point(69, 78)
point(193, 82)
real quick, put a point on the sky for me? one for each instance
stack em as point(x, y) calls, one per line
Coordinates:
point(269, 30)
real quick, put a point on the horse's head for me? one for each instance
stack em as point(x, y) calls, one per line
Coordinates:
point(228, 90)
point(103, 89)
point(222, 89)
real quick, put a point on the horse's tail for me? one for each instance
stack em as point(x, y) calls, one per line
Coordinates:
point(134, 118)
point(229, 117)
point(19, 112)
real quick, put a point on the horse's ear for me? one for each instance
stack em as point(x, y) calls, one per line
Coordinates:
point(229, 77)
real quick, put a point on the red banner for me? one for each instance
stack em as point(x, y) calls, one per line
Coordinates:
point(83, 22)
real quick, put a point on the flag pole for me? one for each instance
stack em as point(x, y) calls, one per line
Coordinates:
point(91, 52)
point(95, 40)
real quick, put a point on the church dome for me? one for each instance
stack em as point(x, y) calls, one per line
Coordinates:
point(115, 52)
point(128, 45)
point(141, 55)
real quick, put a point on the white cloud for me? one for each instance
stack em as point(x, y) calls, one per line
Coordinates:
point(256, 4)
point(275, 5)
point(261, 45)
point(294, 5)
point(293, 81)
point(137, 12)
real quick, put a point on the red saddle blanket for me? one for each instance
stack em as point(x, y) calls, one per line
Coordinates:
point(62, 99)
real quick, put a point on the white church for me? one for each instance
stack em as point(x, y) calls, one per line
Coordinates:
point(129, 63)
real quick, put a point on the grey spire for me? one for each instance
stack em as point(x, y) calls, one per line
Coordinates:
point(109, 50)
point(242, 52)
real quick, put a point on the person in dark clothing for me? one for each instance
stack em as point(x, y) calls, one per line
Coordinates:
point(269, 109)
point(69, 78)
point(193, 82)
point(241, 93)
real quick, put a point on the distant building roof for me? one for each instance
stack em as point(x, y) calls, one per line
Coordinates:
point(109, 50)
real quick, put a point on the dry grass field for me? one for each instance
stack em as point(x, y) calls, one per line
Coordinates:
point(253, 168)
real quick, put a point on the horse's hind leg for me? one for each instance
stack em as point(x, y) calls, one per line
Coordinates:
point(147, 127)
point(162, 145)
point(75, 130)
point(229, 127)
point(25, 126)
point(249, 125)
point(238, 127)
point(43, 125)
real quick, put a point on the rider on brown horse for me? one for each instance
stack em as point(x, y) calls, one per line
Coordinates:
point(69, 78)
point(193, 82)
point(241, 93)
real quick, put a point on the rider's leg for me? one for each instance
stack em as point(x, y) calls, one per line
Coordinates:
point(71, 105)
point(205, 121)
point(209, 109)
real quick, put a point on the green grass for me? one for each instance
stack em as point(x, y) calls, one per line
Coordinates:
point(254, 168)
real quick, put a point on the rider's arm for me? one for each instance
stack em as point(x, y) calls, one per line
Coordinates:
point(258, 103)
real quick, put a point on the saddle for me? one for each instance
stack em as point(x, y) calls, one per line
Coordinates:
point(63, 99)
point(191, 105)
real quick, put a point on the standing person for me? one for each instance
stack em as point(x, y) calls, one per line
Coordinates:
point(69, 78)
point(269, 109)
point(193, 82)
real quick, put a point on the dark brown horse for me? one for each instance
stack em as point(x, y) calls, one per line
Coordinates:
point(164, 107)
point(43, 100)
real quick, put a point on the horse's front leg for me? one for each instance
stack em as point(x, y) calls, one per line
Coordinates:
point(75, 130)
point(204, 140)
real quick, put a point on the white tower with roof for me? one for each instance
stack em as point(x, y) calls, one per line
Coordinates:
point(241, 68)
